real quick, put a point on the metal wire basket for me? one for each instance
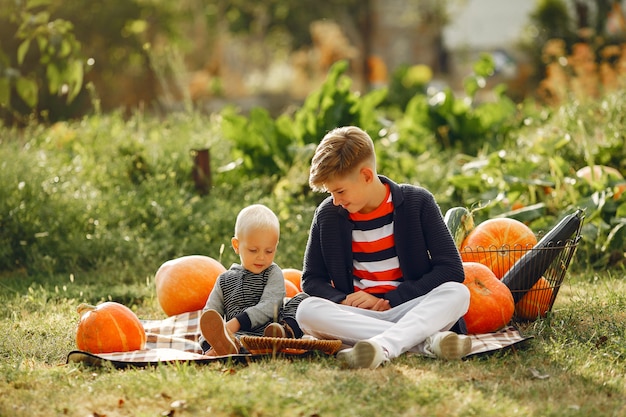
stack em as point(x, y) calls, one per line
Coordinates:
point(544, 270)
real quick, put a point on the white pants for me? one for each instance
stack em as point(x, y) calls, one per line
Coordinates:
point(400, 329)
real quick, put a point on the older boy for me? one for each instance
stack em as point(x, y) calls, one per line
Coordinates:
point(381, 267)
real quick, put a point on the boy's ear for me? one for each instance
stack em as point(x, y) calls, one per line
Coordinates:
point(368, 174)
point(235, 243)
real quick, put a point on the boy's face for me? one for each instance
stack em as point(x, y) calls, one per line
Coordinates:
point(353, 191)
point(256, 248)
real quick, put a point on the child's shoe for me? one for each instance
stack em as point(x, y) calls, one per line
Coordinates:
point(282, 330)
point(214, 330)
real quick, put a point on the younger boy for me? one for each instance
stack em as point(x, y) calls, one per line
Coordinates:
point(381, 268)
point(249, 297)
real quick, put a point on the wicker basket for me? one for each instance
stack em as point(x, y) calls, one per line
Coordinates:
point(532, 300)
point(263, 345)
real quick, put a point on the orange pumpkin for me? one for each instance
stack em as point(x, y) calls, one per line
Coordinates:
point(536, 302)
point(294, 276)
point(291, 288)
point(498, 244)
point(109, 327)
point(184, 284)
point(491, 302)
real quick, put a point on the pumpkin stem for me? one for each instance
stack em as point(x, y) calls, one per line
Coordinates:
point(84, 308)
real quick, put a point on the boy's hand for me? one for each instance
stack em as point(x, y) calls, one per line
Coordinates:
point(367, 301)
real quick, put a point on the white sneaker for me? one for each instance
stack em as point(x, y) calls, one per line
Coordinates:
point(364, 354)
point(449, 345)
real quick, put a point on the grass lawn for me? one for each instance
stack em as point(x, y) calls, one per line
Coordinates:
point(574, 366)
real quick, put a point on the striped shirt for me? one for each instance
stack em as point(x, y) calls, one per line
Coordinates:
point(376, 268)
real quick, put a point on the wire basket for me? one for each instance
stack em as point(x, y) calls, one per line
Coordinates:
point(540, 272)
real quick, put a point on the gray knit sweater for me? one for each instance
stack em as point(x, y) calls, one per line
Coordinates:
point(254, 299)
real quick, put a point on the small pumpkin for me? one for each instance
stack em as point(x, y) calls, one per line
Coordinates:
point(491, 302)
point(536, 302)
point(498, 243)
point(184, 284)
point(109, 327)
point(294, 276)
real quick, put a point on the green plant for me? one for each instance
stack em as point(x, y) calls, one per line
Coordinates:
point(45, 69)
point(272, 147)
point(462, 123)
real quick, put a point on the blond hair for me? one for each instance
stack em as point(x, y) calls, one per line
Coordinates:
point(340, 152)
point(256, 216)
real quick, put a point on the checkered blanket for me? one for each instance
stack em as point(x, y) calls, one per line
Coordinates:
point(175, 339)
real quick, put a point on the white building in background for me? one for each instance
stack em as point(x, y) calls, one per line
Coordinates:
point(487, 24)
point(494, 26)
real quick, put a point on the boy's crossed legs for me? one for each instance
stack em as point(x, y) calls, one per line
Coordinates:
point(419, 325)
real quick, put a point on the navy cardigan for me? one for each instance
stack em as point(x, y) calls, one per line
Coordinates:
point(426, 251)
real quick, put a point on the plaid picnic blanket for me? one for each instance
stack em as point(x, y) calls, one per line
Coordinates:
point(175, 339)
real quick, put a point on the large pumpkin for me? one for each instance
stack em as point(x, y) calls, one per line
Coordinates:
point(498, 244)
point(491, 302)
point(294, 276)
point(109, 327)
point(536, 302)
point(184, 284)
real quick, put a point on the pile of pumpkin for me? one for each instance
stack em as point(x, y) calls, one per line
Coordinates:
point(504, 265)
point(182, 285)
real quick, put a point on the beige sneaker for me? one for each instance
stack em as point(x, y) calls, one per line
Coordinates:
point(282, 330)
point(214, 330)
point(364, 354)
point(274, 330)
point(449, 345)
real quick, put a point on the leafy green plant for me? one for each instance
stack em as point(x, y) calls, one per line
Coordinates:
point(264, 146)
point(46, 64)
point(335, 104)
point(461, 123)
point(113, 191)
point(407, 82)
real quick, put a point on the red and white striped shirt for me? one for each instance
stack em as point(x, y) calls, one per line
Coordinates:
point(376, 268)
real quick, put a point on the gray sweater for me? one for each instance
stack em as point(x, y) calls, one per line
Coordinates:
point(254, 299)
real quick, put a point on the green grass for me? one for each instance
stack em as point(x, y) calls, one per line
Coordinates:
point(574, 366)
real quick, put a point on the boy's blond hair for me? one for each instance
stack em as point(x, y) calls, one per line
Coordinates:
point(340, 152)
point(256, 216)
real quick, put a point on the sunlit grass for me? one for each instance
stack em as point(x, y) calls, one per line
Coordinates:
point(574, 366)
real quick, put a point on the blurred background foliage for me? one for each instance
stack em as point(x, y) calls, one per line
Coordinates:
point(129, 51)
point(101, 126)
point(114, 192)
point(61, 59)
